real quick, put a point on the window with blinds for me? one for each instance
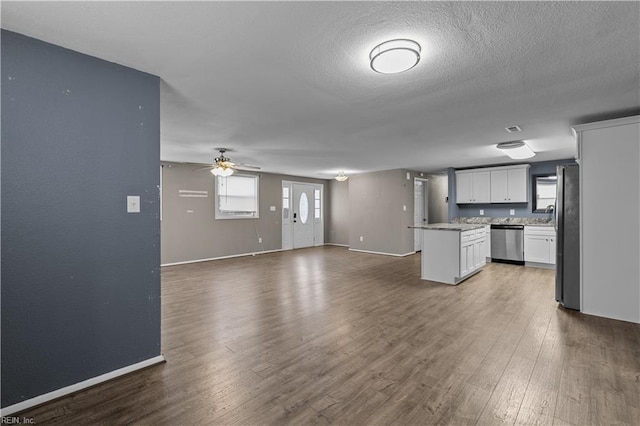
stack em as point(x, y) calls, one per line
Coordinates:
point(236, 197)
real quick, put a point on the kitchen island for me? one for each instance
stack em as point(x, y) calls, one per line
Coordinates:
point(452, 252)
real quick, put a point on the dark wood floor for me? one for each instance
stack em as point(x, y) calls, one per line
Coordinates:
point(320, 336)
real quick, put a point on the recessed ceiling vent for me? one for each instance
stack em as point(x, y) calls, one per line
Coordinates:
point(513, 129)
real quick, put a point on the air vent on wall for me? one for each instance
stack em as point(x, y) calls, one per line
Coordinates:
point(513, 129)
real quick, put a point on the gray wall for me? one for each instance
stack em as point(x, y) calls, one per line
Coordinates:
point(376, 212)
point(338, 217)
point(190, 230)
point(80, 276)
point(502, 210)
point(438, 193)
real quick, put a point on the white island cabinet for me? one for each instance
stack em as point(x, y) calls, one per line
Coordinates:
point(452, 253)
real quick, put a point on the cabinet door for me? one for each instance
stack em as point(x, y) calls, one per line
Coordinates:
point(517, 189)
point(536, 248)
point(466, 258)
point(499, 186)
point(487, 242)
point(552, 250)
point(479, 258)
point(481, 187)
point(463, 188)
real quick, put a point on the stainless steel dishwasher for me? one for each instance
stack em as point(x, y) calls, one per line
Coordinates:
point(507, 244)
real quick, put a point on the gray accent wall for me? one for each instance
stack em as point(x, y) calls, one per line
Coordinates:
point(80, 277)
point(190, 231)
point(338, 217)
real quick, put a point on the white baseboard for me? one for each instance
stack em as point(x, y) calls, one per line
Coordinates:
point(67, 390)
point(384, 254)
point(540, 265)
point(221, 257)
point(334, 244)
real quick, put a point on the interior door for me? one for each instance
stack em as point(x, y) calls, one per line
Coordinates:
point(419, 211)
point(302, 208)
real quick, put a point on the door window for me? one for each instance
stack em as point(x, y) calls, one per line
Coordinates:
point(304, 208)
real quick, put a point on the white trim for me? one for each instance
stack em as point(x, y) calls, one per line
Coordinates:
point(607, 123)
point(540, 265)
point(335, 244)
point(67, 390)
point(221, 257)
point(382, 253)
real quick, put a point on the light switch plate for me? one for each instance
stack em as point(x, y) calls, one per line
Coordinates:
point(404, 207)
point(133, 204)
point(512, 212)
point(481, 212)
point(272, 208)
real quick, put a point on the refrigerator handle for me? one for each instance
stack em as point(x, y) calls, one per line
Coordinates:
point(559, 196)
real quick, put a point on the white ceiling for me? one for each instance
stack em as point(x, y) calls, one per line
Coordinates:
point(287, 85)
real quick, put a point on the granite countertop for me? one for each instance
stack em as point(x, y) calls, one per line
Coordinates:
point(450, 226)
point(529, 221)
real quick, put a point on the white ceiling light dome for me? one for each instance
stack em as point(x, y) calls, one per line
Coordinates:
point(341, 177)
point(222, 171)
point(395, 56)
point(517, 150)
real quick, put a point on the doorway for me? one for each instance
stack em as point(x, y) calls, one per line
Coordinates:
point(420, 209)
point(302, 217)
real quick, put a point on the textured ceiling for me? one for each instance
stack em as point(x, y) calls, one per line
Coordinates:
point(287, 85)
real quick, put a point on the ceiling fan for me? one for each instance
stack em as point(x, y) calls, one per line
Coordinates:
point(223, 166)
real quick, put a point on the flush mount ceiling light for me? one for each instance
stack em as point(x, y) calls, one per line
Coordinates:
point(517, 150)
point(341, 177)
point(395, 56)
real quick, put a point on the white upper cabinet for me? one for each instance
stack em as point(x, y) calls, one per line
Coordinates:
point(473, 186)
point(507, 184)
point(510, 184)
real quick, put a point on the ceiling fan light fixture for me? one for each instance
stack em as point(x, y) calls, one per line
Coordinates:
point(341, 177)
point(222, 171)
point(517, 150)
point(395, 56)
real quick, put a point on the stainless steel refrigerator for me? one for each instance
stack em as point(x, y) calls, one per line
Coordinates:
point(567, 223)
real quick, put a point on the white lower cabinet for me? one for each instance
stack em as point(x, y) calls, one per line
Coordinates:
point(487, 242)
point(472, 251)
point(451, 256)
point(540, 245)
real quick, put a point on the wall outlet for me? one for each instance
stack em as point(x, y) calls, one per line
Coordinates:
point(272, 208)
point(404, 208)
point(260, 240)
point(512, 212)
point(481, 212)
point(408, 176)
point(361, 238)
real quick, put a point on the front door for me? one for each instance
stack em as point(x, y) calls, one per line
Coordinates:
point(303, 215)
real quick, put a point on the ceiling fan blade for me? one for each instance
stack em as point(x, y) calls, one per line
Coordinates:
point(246, 166)
point(205, 168)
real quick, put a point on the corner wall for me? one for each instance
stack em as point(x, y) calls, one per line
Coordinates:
point(80, 276)
point(376, 211)
point(338, 217)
